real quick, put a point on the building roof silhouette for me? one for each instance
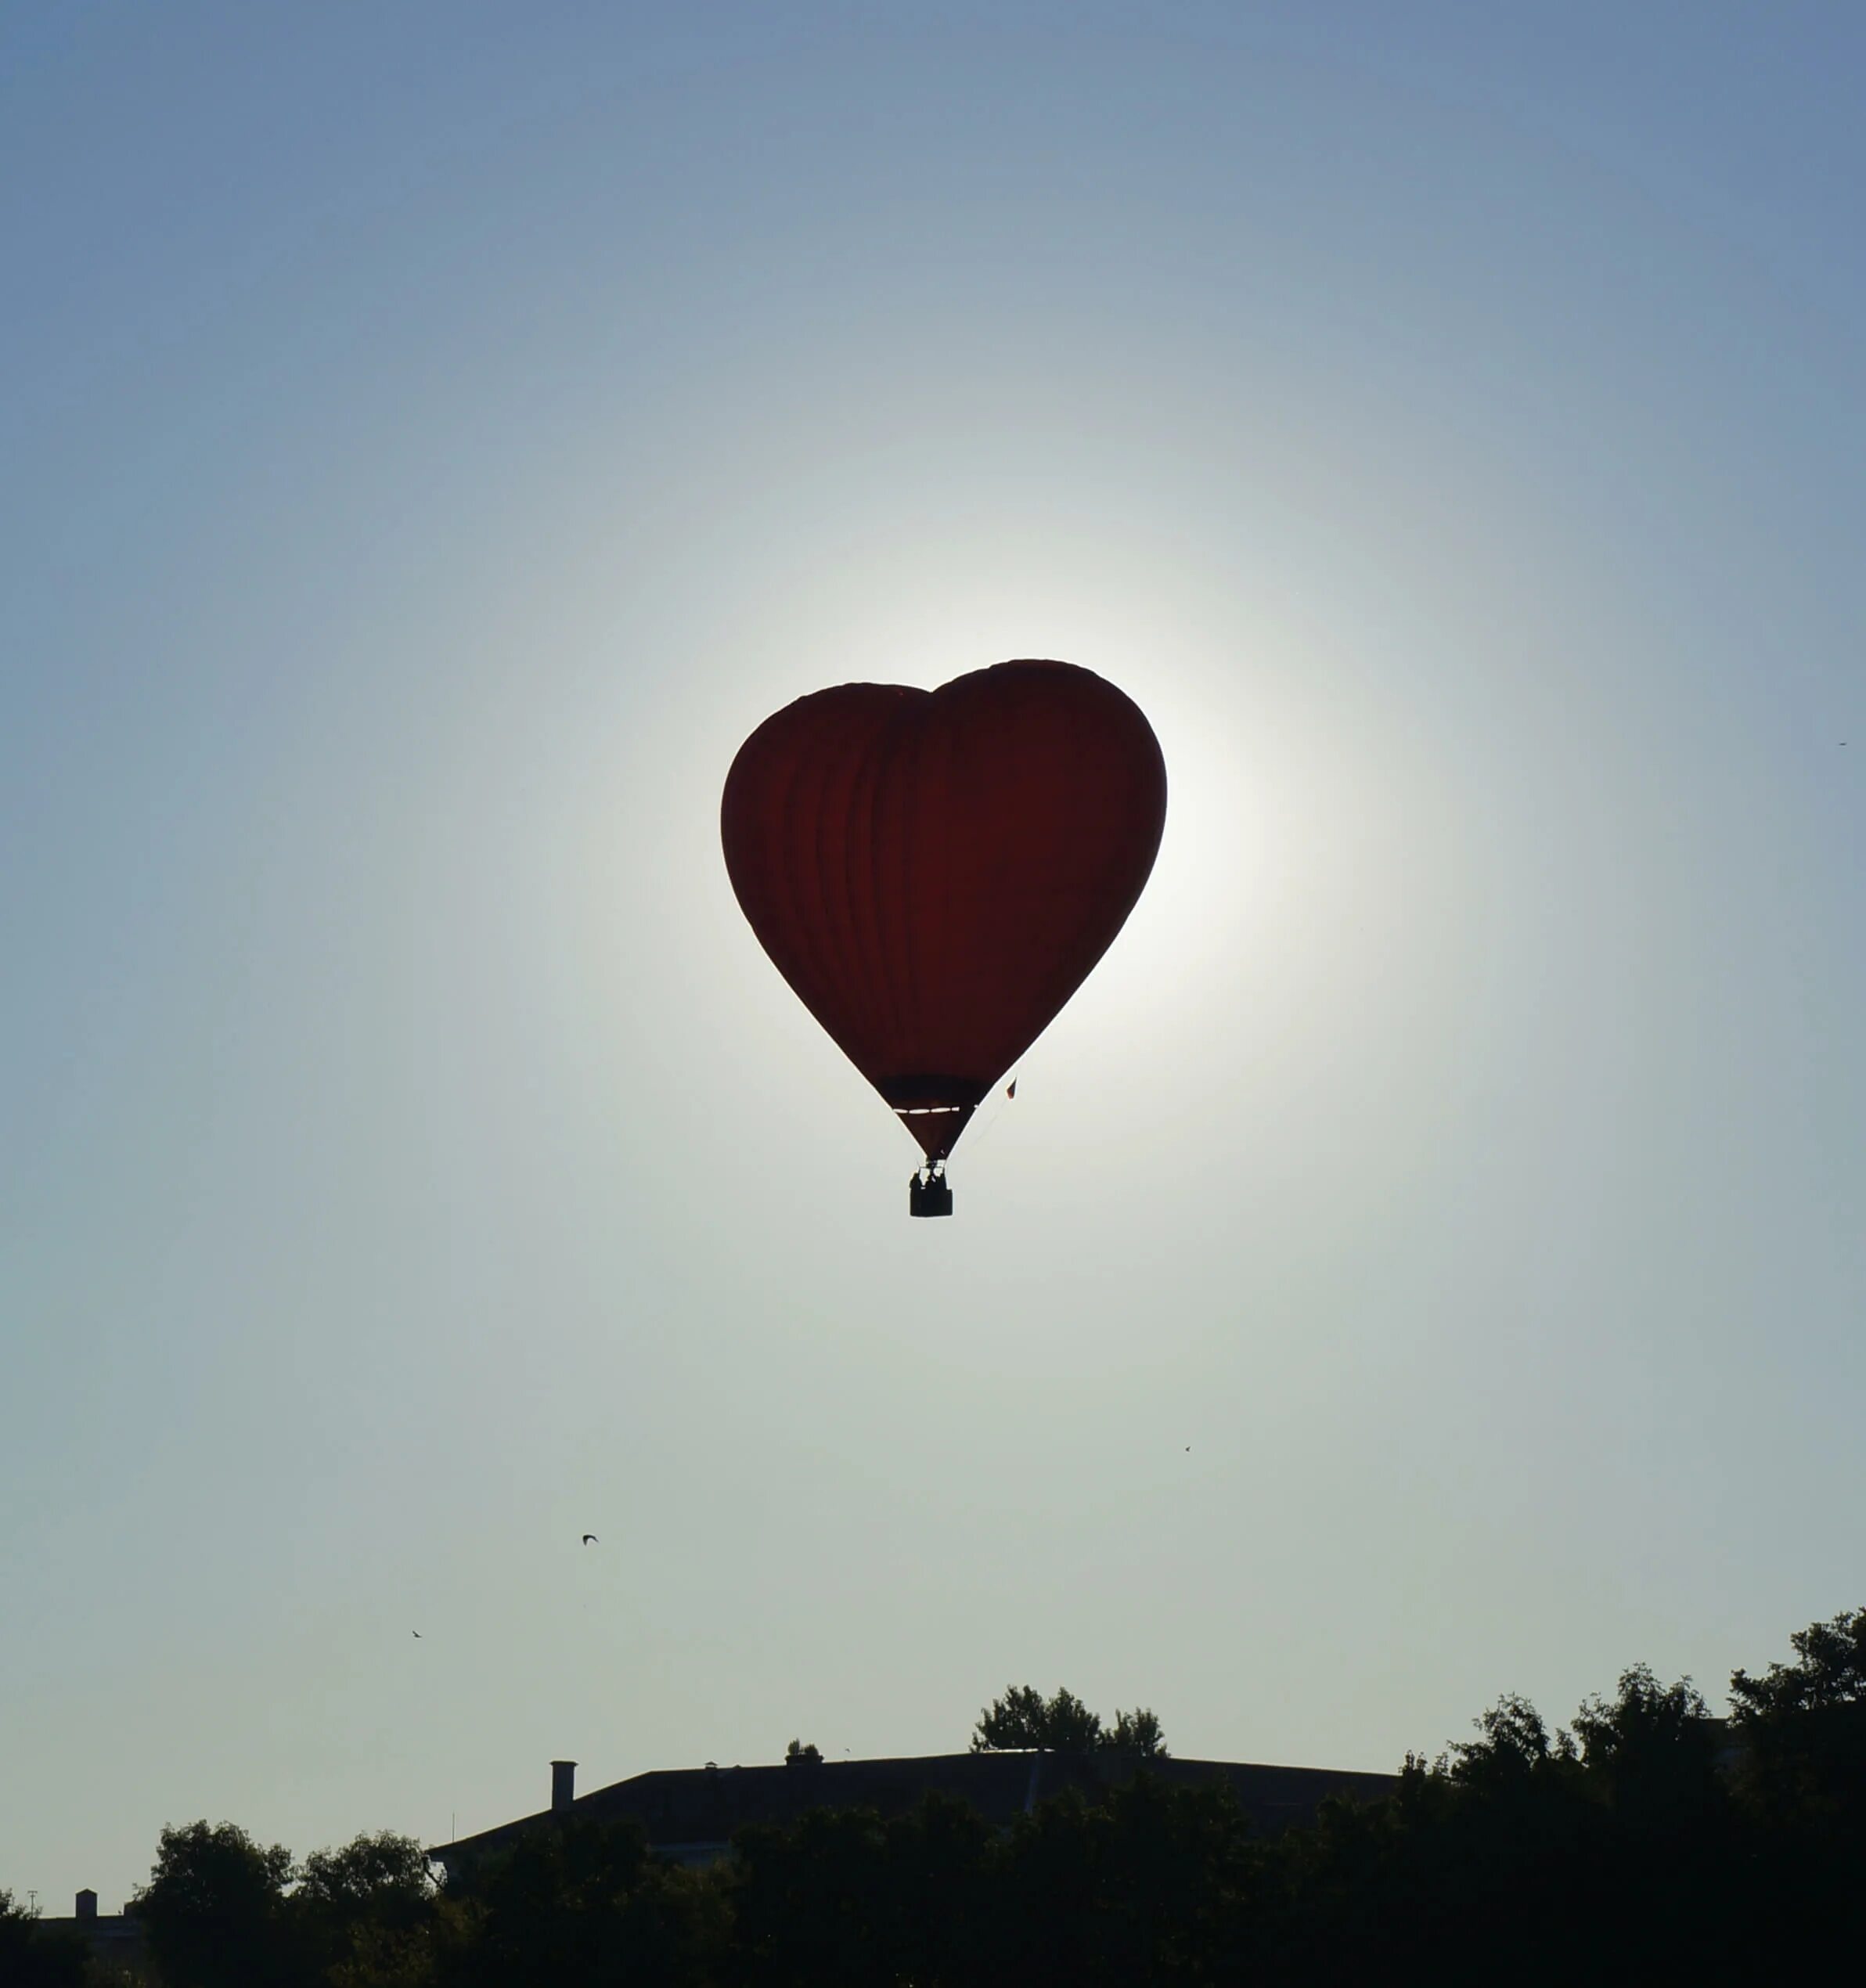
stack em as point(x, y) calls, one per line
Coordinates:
point(689, 1813)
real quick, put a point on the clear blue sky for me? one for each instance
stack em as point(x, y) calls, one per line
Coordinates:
point(434, 435)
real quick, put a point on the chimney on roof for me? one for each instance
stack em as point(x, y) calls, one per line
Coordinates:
point(563, 1782)
point(87, 1904)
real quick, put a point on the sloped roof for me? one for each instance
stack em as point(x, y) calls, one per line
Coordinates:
point(694, 1806)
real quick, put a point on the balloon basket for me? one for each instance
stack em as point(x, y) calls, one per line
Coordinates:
point(929, 1195)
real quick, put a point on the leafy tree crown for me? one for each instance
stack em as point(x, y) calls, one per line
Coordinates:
point(1023, 1718)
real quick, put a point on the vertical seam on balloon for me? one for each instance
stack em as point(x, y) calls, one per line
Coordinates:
point(863, 790)
point(790, 825)
point(838, 795)
point(896, 922)
point(821, 922)
point(841, 777)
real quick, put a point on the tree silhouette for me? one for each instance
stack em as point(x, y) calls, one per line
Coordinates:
point(1801, 1727)
point(216, 1913)
point(366, 1914)
point(1023, 1718)
point(1800, 1733)
point(33, 1956)
point(1137, 1732)
point(582, 1901)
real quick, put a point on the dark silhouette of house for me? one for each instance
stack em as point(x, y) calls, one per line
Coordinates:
point(116, 1939)
point(688, 1814)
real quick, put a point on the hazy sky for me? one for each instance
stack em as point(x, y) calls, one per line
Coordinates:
point(434, 435)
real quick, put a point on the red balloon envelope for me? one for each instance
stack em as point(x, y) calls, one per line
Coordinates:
point(935, 872)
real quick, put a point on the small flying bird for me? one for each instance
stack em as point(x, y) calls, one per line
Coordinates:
point(590, 1539)
point(416, 1634)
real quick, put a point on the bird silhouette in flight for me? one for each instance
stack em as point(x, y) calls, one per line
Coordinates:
point(590, 1539)
point(416, 1634)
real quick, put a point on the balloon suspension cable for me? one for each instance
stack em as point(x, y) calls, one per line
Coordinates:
point(980, 1127)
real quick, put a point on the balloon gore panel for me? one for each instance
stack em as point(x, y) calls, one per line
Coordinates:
point(935, 872)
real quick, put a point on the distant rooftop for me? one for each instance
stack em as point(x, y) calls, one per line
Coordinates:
point(116, 1937)
point(689, 1813)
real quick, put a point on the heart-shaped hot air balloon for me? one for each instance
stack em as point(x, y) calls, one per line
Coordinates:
point(935, 872)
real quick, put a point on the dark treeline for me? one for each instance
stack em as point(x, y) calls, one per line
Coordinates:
point(1646, 1842)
